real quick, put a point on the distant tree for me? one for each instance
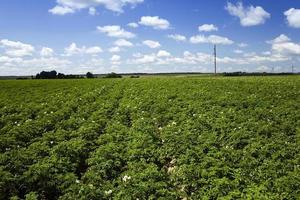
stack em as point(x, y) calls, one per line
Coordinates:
point(38, 76)
point(89, 75)
point(47, 75)
point(113, 75)
point(53, 74)
point(61, 76)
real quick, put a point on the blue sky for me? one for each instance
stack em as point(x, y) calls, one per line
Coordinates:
point(76, 36)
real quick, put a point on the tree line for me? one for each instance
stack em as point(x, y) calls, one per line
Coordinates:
point(54, 75)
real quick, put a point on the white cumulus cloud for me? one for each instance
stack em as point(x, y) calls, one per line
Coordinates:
point(115, 60)
point(177, 37)
point(61, 10)
point(207, 28)
point(152, 44)
point(114, 49)
point(115, 31)
point(280, 39)
point(46, 52)
point(293, 17)
point(16, 49)
point(212, 39)
point(155, 22)
point(92, 11)
point(123, 43)
point(73, 50)
point(133, 25)
point(93, 50)
point(163, 53)
point(8, 60)
point(249, 16)
point(144, 59)
point(71, 6)
point(238, 51)
point(283, 44)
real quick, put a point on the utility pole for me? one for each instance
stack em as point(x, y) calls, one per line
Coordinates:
point(215, 58)
point(292, 68)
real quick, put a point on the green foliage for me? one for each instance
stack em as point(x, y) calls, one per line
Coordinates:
point(113, 75)
point(31, 196)
point(156, 138)
point(89, 75)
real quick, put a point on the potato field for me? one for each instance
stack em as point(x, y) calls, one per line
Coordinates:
point(150, 138)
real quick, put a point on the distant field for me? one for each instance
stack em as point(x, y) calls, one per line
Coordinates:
point(151, 138)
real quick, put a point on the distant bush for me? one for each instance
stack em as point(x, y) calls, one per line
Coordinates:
point(89, 75)
point(68, 76)
point(134, 76)
point(113, 75)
